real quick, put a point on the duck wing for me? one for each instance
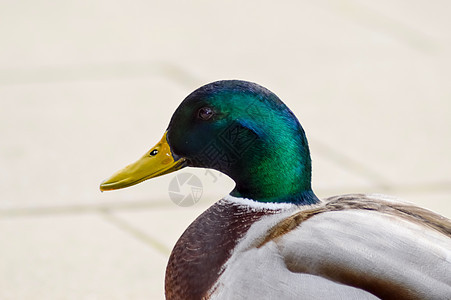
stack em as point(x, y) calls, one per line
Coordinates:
point(390, 249)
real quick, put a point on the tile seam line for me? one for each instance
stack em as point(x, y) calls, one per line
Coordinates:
point(350, 164)
point(134, 232)
point(98, 72)
point(87, 209)
point(81, 209)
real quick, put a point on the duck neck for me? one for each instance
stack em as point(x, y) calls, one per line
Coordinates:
point(279, 174)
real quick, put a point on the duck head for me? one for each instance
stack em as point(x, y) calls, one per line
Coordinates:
point(238, 128)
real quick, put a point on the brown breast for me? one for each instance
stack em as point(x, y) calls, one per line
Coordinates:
point(196, 260)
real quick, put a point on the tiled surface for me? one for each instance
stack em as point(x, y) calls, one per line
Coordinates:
point(75, 257)
point(86, 87)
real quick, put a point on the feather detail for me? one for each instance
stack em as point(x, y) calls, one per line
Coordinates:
point(348, 247)
point(364, 202)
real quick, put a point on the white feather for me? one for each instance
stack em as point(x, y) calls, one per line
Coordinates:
point(258, 205)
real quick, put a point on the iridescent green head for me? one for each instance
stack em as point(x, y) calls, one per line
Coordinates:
point(244, 131)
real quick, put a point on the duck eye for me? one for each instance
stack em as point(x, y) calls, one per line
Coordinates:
point(205, 113)
point(153, 152)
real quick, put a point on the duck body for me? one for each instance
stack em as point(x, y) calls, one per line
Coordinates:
point(272, 237)
point(346, 247)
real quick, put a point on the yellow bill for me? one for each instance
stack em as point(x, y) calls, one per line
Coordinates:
point(156, 162)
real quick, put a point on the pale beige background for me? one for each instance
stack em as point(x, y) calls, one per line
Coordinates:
point(87, 86)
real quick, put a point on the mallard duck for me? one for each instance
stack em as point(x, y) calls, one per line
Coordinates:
point(272, 237)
